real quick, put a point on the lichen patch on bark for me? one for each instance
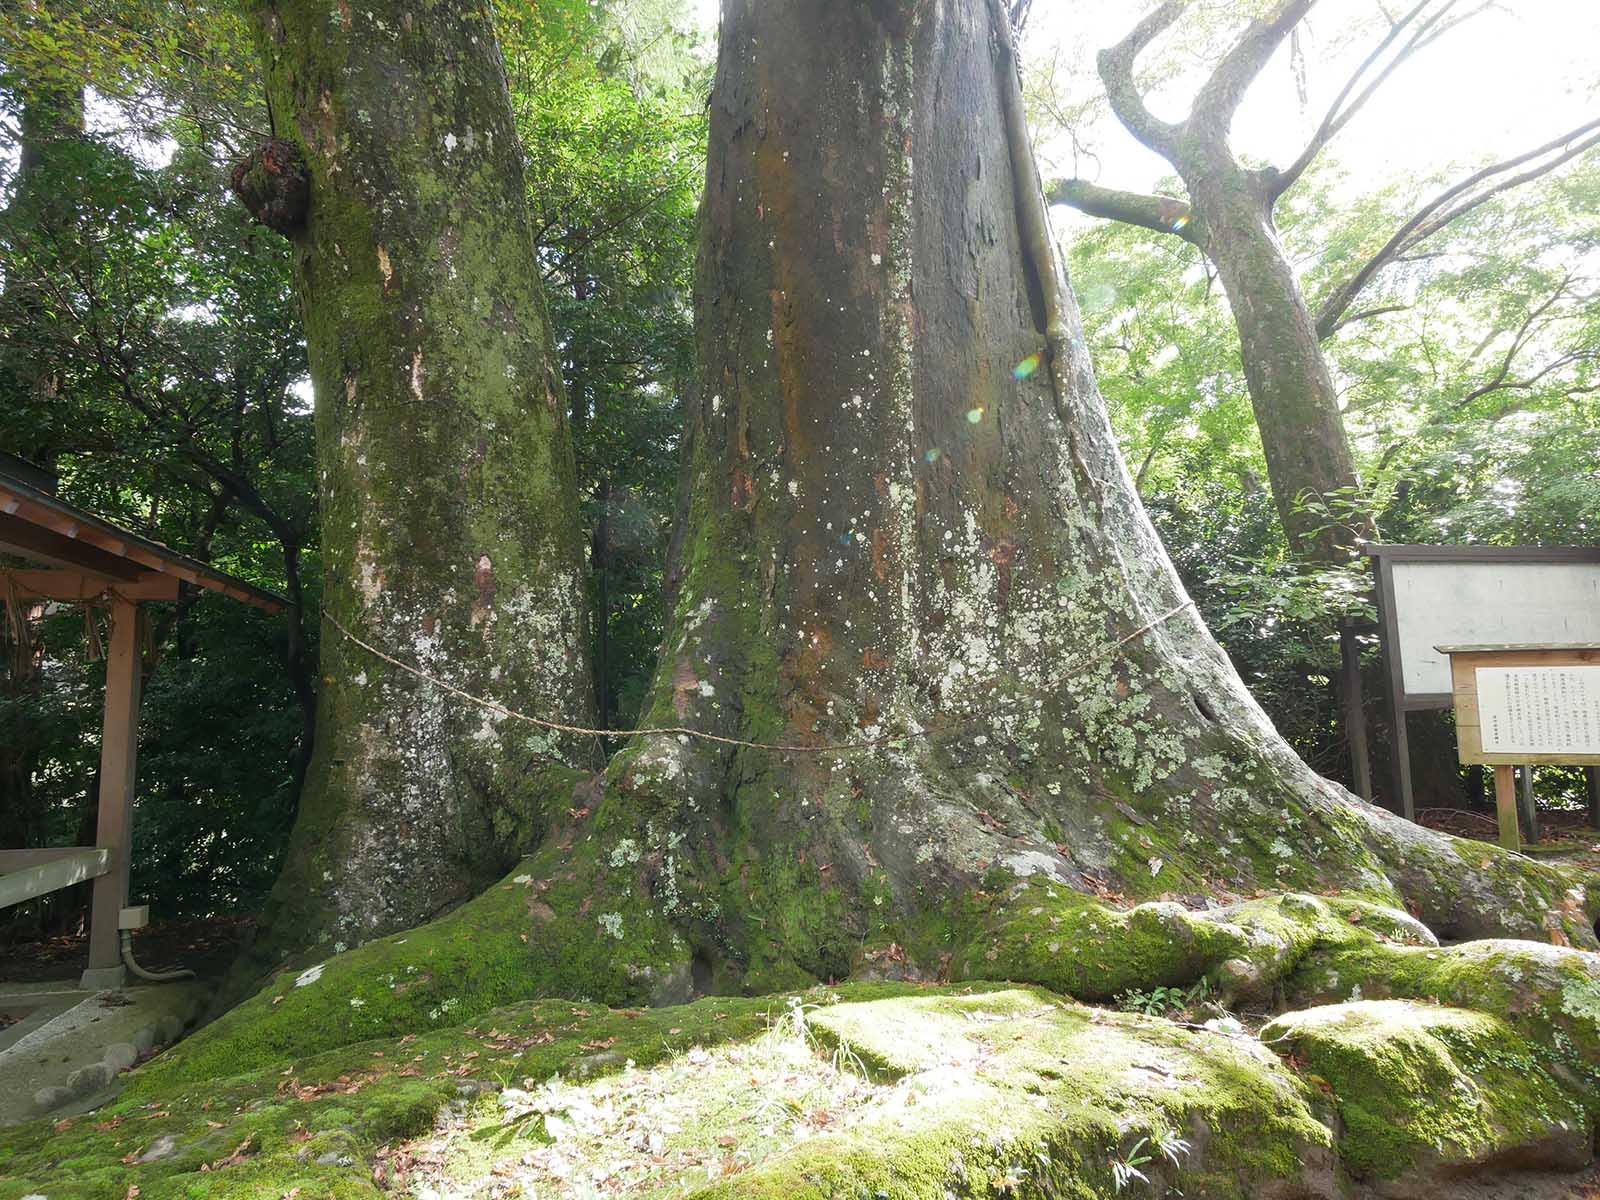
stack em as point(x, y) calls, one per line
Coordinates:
point(451, 535)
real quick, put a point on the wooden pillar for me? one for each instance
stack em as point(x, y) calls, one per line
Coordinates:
point(118, 762)
point(1402, 764)
point(1530, 803)
point(1401, 801)
point(1353, 709)
point(1505, 804)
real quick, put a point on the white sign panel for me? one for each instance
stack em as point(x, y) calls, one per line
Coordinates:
point(1488, 603)
point(1539, 710)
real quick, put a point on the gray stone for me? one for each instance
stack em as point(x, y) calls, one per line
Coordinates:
point(47, 1098)
point(144, 1039)
point(169, 1028)
point(102, 979)
point(160, 1148)
point(119, 1056)
point(1240, 979)
point(91, 1078)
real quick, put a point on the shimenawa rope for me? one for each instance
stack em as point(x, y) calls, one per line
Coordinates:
point(680, 731)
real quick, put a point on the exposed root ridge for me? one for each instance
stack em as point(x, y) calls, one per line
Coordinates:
point(982, 1090)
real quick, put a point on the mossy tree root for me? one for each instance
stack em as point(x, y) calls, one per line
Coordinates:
point(985, 1089)
point(578, 920)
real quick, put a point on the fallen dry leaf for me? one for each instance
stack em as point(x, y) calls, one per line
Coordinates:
point(233, 1159)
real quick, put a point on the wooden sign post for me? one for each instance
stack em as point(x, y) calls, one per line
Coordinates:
point(1525, 705)
point(1470, 595)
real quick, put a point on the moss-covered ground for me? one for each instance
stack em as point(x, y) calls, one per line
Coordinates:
point(1008, 1091)
point(870, 1089)
point(315, 1122)
point(428, 1060)
point(1420, 1085)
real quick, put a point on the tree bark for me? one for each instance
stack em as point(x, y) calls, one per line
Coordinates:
point(1310, 467)
point(897, 530)
point(1309, 463)
point(450, 527)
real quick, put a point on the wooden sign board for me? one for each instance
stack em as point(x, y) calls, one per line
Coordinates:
point(1527, 704)
point(1523, 705)
point(1515, 597)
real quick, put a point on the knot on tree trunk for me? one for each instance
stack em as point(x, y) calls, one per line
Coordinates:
point(273, 183)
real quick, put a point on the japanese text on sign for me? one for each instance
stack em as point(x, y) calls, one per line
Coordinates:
point(1540, 710)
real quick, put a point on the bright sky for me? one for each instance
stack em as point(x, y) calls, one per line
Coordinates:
point(1509, 79)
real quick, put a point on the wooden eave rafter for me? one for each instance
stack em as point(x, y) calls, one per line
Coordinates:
point(93, 556)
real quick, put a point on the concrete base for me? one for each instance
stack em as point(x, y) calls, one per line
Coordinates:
point(103, 979)
point(65, 1055)
point(35, 1006)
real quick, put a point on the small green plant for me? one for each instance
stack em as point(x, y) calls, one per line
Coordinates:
point(1170, 1145)
point(1125, 1166)
point(794, 1023)
point(1162, 1001)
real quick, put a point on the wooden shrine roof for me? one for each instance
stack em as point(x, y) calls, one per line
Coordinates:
point(38, 528)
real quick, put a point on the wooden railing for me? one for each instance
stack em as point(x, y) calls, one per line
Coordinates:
point(26, 874)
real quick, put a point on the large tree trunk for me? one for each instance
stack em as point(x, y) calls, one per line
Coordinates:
point(450, 530)
point(1309, 464)
point(889, 533)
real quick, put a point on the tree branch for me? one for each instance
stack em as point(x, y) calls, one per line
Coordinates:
point(1366, 314)
point(1164, 214)
point(1149, 458)
point(1116, 71)
point(1338, 115)
point(1219, 97)
point(1501, 379)
point(1454, 202)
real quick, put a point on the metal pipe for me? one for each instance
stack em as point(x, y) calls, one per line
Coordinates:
point(140, 972)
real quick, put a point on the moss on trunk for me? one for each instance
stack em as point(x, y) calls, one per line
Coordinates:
point(1309, 463)
point(450, 528)
point(906, 516)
